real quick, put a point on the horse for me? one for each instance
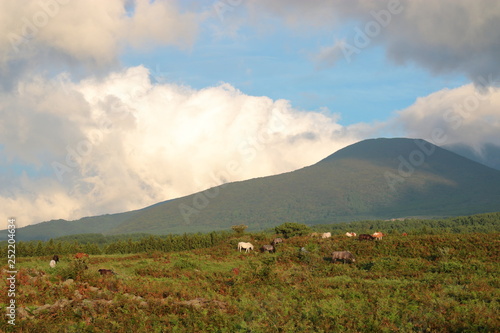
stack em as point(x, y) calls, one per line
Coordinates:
point(343, 255)
point(81, 255)
point(267, 248)
point(52, 263)
point(246, 246)
point(55, 258)
point(276, 241)
point(103, 271)
point(326, 235)
point(378, 235)
point(366, 237)
point(350, 234)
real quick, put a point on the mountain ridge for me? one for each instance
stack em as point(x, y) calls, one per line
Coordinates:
point(371, 179)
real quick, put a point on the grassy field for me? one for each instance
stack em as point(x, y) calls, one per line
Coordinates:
point(414, 283)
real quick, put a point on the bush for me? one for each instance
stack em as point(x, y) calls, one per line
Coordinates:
point(239, 229)
point(186, 264)
point(291, 229)
point(75, 269)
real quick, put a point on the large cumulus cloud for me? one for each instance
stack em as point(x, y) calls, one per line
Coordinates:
point(121, 142)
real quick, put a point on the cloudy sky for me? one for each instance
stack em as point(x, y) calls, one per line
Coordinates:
point(109, 106)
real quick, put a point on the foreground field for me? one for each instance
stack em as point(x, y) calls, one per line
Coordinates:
point(417, 283)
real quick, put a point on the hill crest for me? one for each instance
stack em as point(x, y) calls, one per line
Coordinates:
point(371, 179)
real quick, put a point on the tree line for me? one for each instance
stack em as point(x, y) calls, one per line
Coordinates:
point(481, 223)
point(118, 244)
point(96, 244)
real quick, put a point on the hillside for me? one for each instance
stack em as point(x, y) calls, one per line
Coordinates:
point(421, 282)
point(489, 154)
point(372, 179)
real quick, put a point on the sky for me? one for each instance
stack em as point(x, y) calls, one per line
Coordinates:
point(110, 106)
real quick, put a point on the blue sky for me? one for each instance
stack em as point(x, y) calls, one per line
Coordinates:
point(112, 106)
point(280, 64)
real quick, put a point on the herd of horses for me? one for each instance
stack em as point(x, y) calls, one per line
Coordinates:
point(270, 248)
point(344, 256)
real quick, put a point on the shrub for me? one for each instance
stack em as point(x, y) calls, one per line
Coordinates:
point(291, 229)
point(186, 264)
point(75, 269)
point(239, 229)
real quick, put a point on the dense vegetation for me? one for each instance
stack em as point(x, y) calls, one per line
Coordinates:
point(428, 281)
point(100, 244)
point(136, 243)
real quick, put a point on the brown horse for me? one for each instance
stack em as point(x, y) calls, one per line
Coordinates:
point(366, 237)
point(81, 255)
point(103, 271)
point(276, 241)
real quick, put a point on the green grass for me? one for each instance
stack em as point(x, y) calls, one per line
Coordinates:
point(418, 283)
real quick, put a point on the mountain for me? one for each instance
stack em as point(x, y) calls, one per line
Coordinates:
point(372, 179)
point(489, 154)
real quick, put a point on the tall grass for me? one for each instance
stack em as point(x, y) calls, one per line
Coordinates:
point(418, 283)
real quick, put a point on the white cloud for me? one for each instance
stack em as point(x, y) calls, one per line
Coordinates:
point(120, 142)
point(465, 115)
point(92, 32)
point(450, 36)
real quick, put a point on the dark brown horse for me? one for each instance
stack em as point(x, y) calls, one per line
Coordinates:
point(103, 271)
point(366, 237)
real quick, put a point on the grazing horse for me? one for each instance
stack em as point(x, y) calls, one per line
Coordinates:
point(276, 241)
point(81, 255)
point(103, 271)
point(55, 258)
point(378, 235)
point(246, 246)
point(366, 237)
point(52, 263)
point(326, 235)
point(350, 234)
point(343, 255)
point(267, 248)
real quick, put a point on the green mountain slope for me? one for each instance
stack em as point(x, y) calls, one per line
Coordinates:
point(378, 178)
point(372, 179)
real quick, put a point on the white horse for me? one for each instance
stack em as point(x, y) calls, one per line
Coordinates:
point(52, 263)
point(326, 235)
point(246, 246)
point(350, 234)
